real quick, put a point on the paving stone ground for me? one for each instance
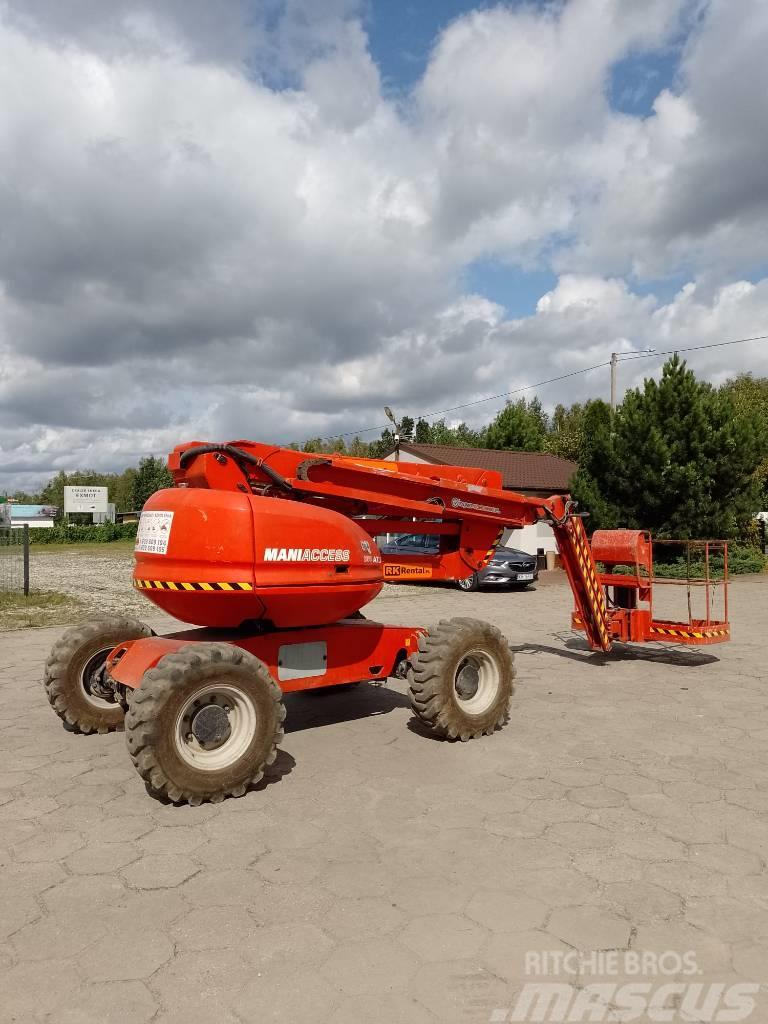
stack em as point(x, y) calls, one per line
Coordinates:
point(379, 875)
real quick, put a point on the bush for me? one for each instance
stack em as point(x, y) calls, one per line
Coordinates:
point(101, 533)
point(741, 560)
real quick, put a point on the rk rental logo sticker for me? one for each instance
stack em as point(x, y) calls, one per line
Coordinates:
point(407, 572)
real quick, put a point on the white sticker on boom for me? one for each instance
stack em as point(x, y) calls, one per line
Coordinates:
point(153, 533)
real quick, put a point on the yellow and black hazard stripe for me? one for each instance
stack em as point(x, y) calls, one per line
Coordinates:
point(173, 585)
point(703, 633)
point(492, 549)
point(593, 589)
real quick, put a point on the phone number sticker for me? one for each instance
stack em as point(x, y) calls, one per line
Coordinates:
point(154, 532)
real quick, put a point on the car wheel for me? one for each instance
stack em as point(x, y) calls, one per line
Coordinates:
point(470, 583)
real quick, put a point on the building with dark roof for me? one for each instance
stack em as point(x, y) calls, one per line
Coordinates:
point(535, 473)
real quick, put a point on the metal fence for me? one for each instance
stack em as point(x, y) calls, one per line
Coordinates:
point(14, 560)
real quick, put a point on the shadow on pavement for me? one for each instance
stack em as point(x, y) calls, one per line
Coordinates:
point(311, 709)
point(578, 650)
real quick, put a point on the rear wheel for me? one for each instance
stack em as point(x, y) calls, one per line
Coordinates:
point(461, 679)
point(205, 723)
point(73, 671)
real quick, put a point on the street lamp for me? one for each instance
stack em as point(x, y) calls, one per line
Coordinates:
point(391, 416)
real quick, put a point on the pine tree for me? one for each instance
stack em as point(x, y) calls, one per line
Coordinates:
point(679, 459)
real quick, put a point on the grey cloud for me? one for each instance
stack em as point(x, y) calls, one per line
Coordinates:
point(225, 32)
point(186, 251)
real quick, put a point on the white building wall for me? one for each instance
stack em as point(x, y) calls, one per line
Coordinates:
point(33, 524)
point(531, 538)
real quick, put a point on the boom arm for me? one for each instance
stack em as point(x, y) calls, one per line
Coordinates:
point(466, 507)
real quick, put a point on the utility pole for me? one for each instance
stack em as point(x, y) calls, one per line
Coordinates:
point(615, 363)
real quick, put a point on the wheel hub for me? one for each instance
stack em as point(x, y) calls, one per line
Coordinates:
point(210, 726)
point(467, 682)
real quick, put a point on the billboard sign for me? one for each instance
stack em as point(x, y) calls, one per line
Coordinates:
point(85, 499)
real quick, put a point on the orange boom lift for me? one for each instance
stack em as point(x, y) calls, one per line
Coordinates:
point(271, 552)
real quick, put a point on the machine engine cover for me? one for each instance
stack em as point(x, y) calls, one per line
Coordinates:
point(218, 558)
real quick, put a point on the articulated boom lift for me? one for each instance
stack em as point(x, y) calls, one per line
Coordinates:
point(272, 553)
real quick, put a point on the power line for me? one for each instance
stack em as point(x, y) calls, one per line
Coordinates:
point(690, 348)
point(542, 383)
point(466, 405)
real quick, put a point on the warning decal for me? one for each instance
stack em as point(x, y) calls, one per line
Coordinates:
point(407, 572)
point(154, 532)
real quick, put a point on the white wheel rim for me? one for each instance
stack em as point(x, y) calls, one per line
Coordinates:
point(86, 672)
point(242, 718)
point(466, 584)
point(488, 682)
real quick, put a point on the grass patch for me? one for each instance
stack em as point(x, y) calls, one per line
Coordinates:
point(41, 608)
point(117, 547)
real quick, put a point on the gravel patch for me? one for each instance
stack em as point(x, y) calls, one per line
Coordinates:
point(100, 581)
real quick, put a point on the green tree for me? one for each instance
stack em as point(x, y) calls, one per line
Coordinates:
point(152, 475)
point(520, 426)
point(423, 432)
point(595, 468)
point(121, 490)
point(466, 437)
point(358, 448)
point(566, 432)
point(750, 398)
point(384, 445)
point(441, 433)
point(679, 460)
point(53, 492)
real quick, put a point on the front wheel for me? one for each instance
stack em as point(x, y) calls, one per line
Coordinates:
point(469, 584)
point(205, 723)
point(461, 679)
point(73, 670)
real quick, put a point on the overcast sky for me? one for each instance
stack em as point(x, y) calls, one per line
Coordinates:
point(270, 218)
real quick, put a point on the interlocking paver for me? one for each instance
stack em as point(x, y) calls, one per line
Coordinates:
point(506, 912)
point(587, 928)
point(385, 876)
point(160, 871)
point(369, 966)
point(113, 1002)
point(102, 858)
point(287, 995)
point(362, 918)
point(213, 928)
point(443, 937)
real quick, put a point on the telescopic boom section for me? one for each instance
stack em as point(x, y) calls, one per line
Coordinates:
point(467, 508)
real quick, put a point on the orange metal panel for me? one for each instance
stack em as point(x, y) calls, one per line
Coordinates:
point(357, 650)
